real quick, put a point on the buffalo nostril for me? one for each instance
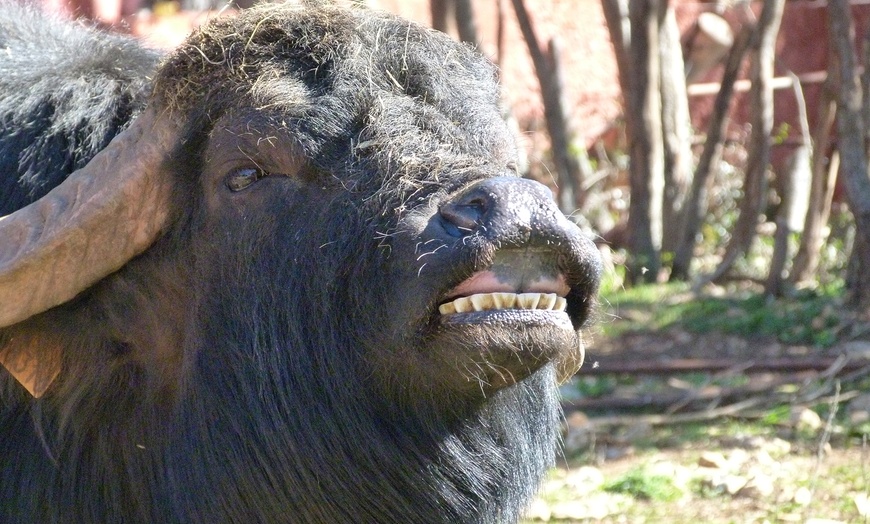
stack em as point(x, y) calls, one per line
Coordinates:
point(465, 215)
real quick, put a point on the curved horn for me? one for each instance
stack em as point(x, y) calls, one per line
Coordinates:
point(90, 225)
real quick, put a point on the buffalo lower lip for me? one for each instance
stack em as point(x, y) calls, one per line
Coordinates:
point(515, 317)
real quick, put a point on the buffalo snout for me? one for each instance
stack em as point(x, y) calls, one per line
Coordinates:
point(504, 281)
point(509, 211)
point(528, 241)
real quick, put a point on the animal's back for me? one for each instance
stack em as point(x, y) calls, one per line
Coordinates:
point(65, 91)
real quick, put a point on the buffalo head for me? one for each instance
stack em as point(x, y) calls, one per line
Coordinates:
point(309, 265)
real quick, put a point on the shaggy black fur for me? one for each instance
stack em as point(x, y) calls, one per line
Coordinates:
point(277, 355)
point(65, 94)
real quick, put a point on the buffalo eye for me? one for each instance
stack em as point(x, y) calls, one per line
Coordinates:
point(242, 178)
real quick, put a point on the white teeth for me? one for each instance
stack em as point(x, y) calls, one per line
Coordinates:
point(528, 300)
point(547, 301)
point(490, 301)
point(482, 302)
point(463, 305)
point(504, 300)
point(447, 309)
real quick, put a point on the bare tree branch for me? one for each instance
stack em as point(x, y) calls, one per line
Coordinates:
point(570, 173)
point(763, 56)
point(696, 207)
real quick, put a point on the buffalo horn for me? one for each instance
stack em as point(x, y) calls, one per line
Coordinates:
point(90, 225)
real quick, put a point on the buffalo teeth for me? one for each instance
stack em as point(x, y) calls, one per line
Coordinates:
point(491, 301)
point(528, 300)
point(504, 300)
point(547, 301)
point(448, 308)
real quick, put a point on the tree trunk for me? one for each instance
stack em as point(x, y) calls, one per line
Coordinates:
point(676, 129)
point(696, 203)
point(865, 81)
point(761, 108)
point(806, 261)
point(465, 23)
point(440, 11)
point(853, 159)
point(499, 33)
point(787, 182)
point(619, 27)
point(568, 167)
point(643, 123)
point(798, 173)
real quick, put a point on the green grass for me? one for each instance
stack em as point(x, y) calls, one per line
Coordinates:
point(641, 484)
point(810, 317)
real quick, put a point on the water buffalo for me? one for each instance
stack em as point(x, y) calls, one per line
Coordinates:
point(286, 273)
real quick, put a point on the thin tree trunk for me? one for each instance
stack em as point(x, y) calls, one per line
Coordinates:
point(865, 81)
point(573, 155)
point(696, 203)
point(440, 12)
point(570, 175)
point(787, 181)
point(853, 160)
point(499, 33)
point(763, 55)
point(619, 27)
point(787, 187)
point(465, 22)
point(806, 261)
point(646, 169)
point(676, 129)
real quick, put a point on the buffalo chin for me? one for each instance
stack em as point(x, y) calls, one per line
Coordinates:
point(478, 353)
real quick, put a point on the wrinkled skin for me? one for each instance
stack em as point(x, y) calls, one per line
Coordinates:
point(278, 355)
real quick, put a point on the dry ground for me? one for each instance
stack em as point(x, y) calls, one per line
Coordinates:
point(797, 451)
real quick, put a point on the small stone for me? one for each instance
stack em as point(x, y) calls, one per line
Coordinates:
point(616, 452)
point(861, 402)
point(763, 458)
point(856, 349)
point(802, 496)
point(585, 479)
point(713, 459)
point(805, 419)
point(751, 442)
point(539, 511)
point(858, 409)
point(758, 487)
point(862, 503)
point(777, 447)
point(733, 483)
point(598, 506)
point(857, 418)
point(579, 433)
point(637, 431)
point(738, 457)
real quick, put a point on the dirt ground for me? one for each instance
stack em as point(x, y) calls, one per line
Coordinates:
point(798, 452)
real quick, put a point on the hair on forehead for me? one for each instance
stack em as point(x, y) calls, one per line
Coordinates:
point(291, 56)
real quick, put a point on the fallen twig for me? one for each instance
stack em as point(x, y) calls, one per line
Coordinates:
point(679, 418)
point(687, 365)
